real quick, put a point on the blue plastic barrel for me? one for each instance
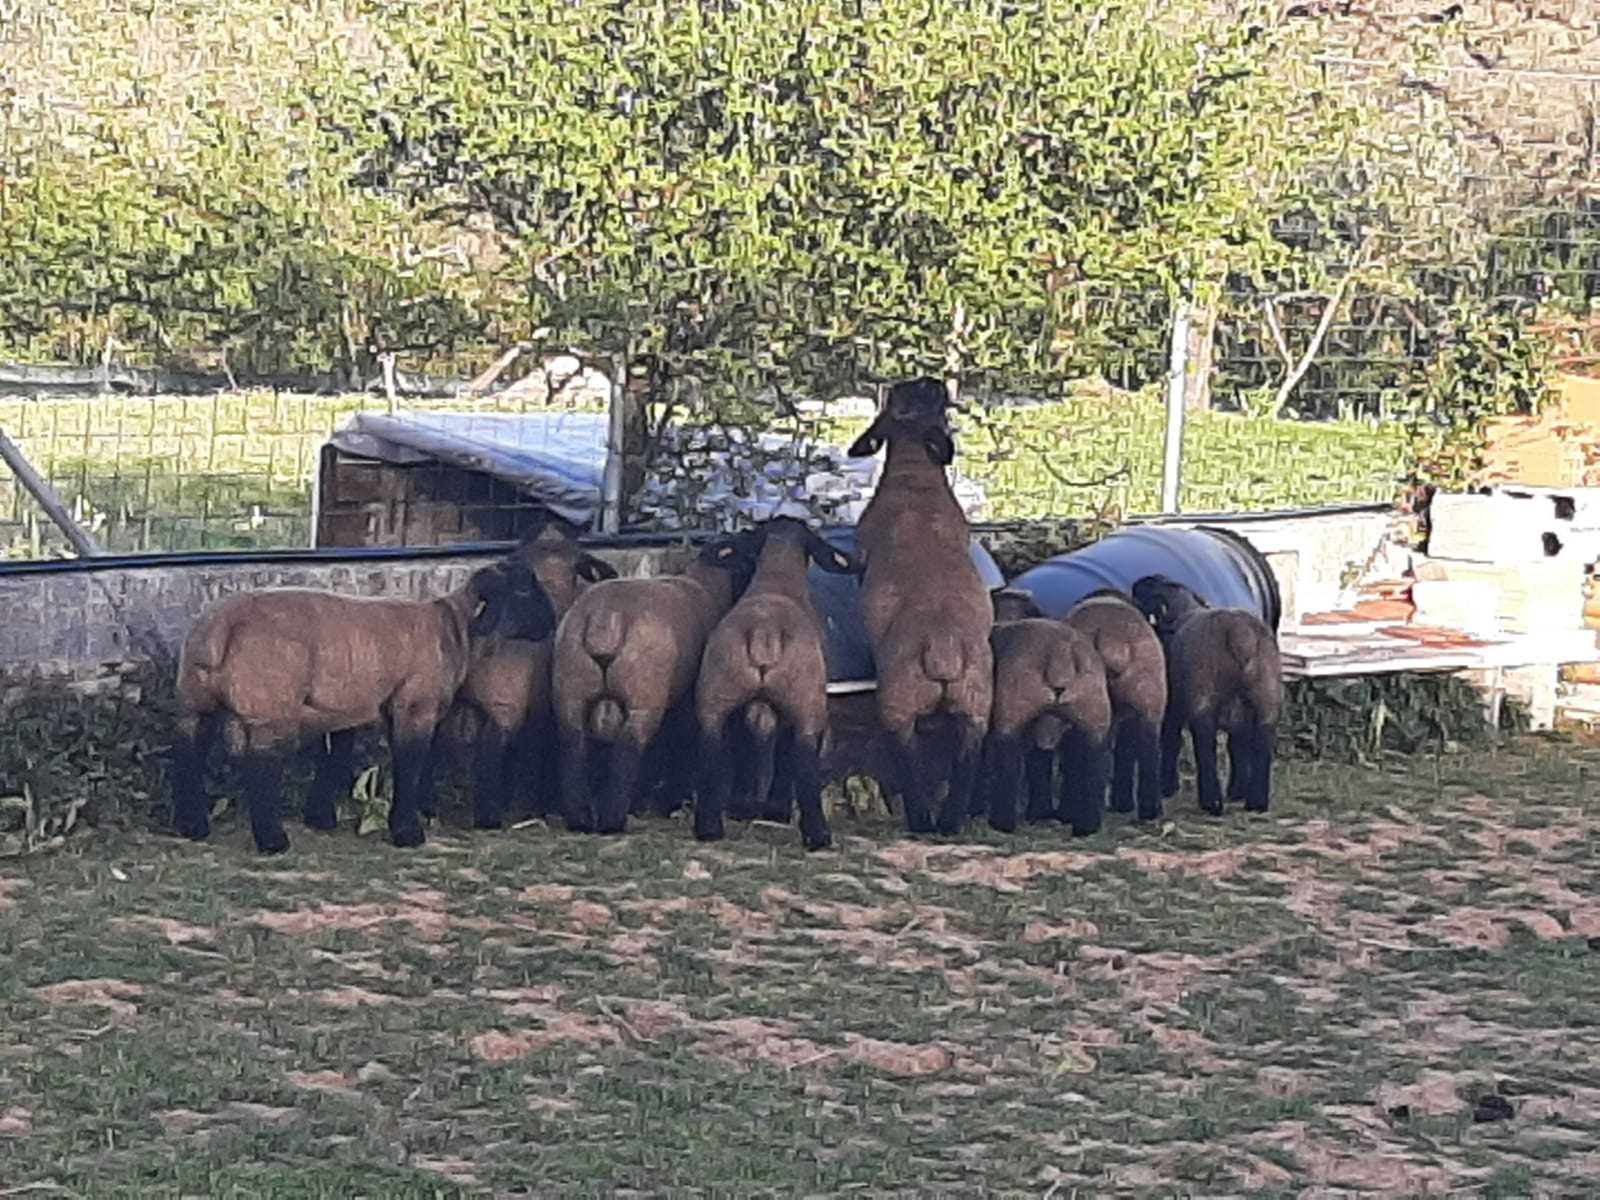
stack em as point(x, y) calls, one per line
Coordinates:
point(1220, 567)
point(838, 602)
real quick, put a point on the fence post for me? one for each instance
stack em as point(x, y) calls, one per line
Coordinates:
point(616, 440)
point(41, 491)
point(1172, 461)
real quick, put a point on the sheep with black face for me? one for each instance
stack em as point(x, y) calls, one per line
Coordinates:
point(502, 718)
point(267, 671)
point(1224, 673)
point(626, 657)
point(926, 608)
point(1050, 698)
point(763, 686)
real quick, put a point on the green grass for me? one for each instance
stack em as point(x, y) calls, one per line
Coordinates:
point(1314, 998)
point(236, 469)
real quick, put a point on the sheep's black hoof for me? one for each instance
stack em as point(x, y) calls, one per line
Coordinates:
point(819, 841)
point(1150, 814)
point(611, 828)
point(1079, 831)
point(1213, 809)
point(196, 830)
point(408, 835)
point(1255, 806)
point(323, 819)
point(487, 821)
point(709, 831)
point(275, 842)
point(1121, 804)
point(1003, 824)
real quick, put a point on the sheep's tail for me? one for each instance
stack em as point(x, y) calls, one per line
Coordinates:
point(1060, 668)
point(942, 658)
point(602, 634)
point(1115, 652)
point(764, 645)
point(1244, 642)
point(761, 719)
point(606, 719)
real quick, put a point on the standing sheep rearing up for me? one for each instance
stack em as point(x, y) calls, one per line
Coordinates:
point(764, 667)
point(1224, 671)
point(267, 670)
point(926, 609)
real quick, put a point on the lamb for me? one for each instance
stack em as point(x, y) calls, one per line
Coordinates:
point(502, 715)
point(925, 607)
point(1136, 681)
point(763, 674)
point(1225, 673)
point(267, 670)
point(626, 656)
point(1049, 694)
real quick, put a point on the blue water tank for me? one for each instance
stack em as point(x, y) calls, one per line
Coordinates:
point(1220, 566)
point(838, 602)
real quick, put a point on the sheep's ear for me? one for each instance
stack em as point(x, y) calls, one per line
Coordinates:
point(490, 588)
point(831, 558)
point(593, 570)
point(724, 553)
point(940, 445)
point(870, 441)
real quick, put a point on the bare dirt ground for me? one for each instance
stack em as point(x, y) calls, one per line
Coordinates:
point(1388, 985)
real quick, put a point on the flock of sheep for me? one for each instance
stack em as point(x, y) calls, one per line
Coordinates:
point(595, 695)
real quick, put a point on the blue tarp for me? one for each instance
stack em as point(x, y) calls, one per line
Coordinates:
point(557, 457)
point(838, 602)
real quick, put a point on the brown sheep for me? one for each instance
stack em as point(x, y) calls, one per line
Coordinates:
point(925, 607)
point(626, 657)
point(268, 670)
point(764, 670)
point(1225, 673)
point(1136, 679)
point(502, 716)
point(1049, 694)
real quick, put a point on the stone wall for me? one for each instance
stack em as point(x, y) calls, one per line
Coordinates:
point(85, 623)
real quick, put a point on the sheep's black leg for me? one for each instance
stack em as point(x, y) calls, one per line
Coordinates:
point(803, 772)
point(263, 782)
point(964, 777)
point(191, 806)
point(1240, 751)
point(1148, 752)
point(916, 775)
point(1125, 753)
point(715, 780)
point(1264, 744)
point(1203, 733)
point(1083, 808)
point(1171, 737)
point(576, 801)
point(1042, 801)
point(771, 783)
point(1005, 781)
point(410, 751)
point(489, 776)
point(623, 778)
point(533, 766)
point(332, 779)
